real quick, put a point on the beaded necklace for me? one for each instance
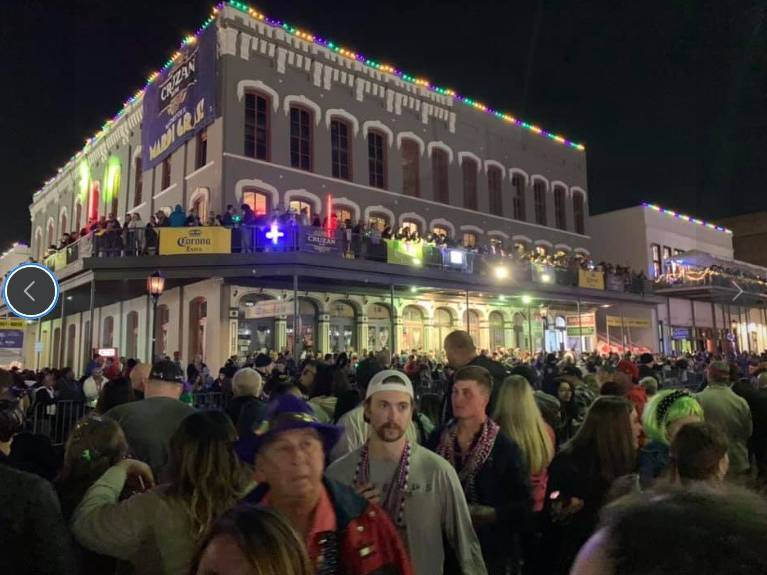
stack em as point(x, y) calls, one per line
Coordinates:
point(394, 498)
point(473, 460)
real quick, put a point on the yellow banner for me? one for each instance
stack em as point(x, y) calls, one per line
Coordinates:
point(11, 324)
point(591, 280)
point(638, 322)
point(208, 240)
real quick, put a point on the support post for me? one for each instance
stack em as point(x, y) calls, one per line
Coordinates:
point(295, 316)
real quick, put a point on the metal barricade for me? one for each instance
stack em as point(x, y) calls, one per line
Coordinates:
point(56, 420)
point(210, 400)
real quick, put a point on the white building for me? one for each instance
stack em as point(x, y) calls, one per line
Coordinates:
point(688, 260)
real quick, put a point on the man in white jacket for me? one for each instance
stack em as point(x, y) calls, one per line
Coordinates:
point(92, 386)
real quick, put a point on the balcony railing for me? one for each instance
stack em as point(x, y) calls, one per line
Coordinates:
point(712, 276)
point(339, 243)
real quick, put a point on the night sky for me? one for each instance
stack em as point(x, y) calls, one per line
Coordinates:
point(669, 97)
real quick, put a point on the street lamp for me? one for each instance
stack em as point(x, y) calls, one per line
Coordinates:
point(155, 284)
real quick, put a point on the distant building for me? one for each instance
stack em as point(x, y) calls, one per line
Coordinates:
point(695, 269)
point(749, 237)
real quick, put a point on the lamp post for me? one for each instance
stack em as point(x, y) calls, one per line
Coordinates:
point(155, 284)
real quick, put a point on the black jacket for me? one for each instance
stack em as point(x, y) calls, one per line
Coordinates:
point(502, 483)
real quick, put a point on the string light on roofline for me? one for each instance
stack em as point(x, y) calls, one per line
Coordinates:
point(309, 37)
point(686, 218)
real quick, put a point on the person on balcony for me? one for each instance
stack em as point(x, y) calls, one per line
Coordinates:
point(177, 217)
point(192, 219)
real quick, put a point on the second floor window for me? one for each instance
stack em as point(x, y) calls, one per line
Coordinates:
point(518, 197)
point(301, 139)
point(377, 159)
point(138, 183)
point(410, 168)
point(439, 165)
point(657, 266)
point(165, 175)
point(258, 201)
point(257, 126)
point(539, 195)
point(340, 151)
point(201, 157)
point(469, 240)
point(578, 212)
point(559, 207)
point(469, 184)
point(494, 188)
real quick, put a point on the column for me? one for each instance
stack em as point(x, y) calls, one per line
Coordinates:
point(397, 341)
point(234, 328)
point(508, 334)
point(362, 333)
point(280, 333)
point(428, 335)
point(323, 333)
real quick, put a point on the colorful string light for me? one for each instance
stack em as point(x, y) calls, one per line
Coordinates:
point(309, 37)
point(402, 75)
point(685, 218)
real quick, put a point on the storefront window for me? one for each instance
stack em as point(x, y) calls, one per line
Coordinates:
point(342, 327)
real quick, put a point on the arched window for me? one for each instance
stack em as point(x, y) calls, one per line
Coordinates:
point(559, 207)
point(162, 325)
point(307, 326)
point(469, 167)
point(200, 206)
point(298, 206)
point(578, 212)
point(343, 327)
point(440, 231)
point(541, 251)
point(411, 226)
point(254, 334)
point(257, 126)
point(344, 215)
point(301, 138)
point(412, 329)
point(439, 165)
point(518, 196)
point(379, 220)
point(78, 217)
point(443, 325)
point(379, 327)
point(55, 350)
point(51, 234)
point(494, 188)
point(198, 318)
point(63, 223)
point(377, 159)
point(131, 335)
point(71, 345)
point(539, 195)
point(341, 149)
point(258, 201)
point(497, 336)
point(519, 331)
point(107, 331)
point(410, 158)
point(469, 240)
point(112, 184)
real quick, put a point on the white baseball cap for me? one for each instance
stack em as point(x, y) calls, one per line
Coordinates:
point(390, 380)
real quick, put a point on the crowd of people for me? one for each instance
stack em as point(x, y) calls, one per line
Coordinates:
point(469, 463)
point(136, 237)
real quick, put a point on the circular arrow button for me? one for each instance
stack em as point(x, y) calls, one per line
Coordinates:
point(31, 291)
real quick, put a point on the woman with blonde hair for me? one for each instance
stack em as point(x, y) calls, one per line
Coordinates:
point(157, 531)
point(518, 415)
point(251, 541)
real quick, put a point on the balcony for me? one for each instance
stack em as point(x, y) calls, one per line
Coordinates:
point(222, 246)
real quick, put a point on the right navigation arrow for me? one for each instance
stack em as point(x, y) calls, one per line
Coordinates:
point(740, 290)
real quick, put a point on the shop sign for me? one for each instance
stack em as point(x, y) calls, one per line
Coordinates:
point(197, 240)
point(585, 324)
point(680, 333)
point(626, 321)
point(591, 279)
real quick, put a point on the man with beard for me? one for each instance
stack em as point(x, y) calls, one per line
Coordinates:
point(417, 488)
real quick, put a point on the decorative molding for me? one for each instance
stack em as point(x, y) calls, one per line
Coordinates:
point(339, 113)
point(347, 203)
point(258, 86)
point(303, 101)
point(380, 126)
point(443, 223)
point(471, 156)
point(441, 146)
point(472, 228)
point(261, 186)
point(498, 233)
point(302, 194)
point(411, 136)
point(495, 164)
point(384, 210)
point(521, 172)
point(412, 216)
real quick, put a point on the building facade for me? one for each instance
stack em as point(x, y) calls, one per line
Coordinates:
point(749, 236)
point(301, 125)
point(693, 266)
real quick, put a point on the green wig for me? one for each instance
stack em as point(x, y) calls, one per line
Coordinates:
point(665, 408)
